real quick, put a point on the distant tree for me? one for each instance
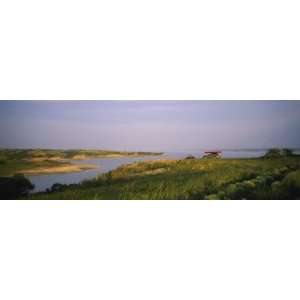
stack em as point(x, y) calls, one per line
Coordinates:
point(273, 153)
point(15, 187)
point(287, 152)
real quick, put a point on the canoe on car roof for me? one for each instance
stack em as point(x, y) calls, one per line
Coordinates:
point(212, 154)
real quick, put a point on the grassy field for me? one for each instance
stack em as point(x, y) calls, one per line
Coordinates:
point(45, 161)
point(273, 178)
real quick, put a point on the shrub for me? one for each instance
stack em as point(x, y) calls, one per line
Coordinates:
point(284, 169)
point(190, 157)
point(275, 186)
point(250, 184)
point(259, 181)
point(291, 185)
point(212, 197)
point(268, 179)
point(273, 153)
point(15, 187)
point(287, 152)
point(108, 176)
point(221, 195)
point(57, 187)
point(276, 174)
point(231, 191)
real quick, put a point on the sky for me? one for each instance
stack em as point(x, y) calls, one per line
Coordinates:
point(149, 125)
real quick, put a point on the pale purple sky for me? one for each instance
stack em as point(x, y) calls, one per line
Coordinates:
point(149, 125)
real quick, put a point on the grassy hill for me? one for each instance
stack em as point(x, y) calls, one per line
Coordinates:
point(276, 178)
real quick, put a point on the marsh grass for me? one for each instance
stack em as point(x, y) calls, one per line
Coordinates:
point(191, 179)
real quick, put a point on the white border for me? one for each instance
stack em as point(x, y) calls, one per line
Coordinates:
point(149, 250)
point(167, 50)
point(132, 50)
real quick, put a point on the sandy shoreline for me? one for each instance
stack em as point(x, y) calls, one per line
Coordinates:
point(58, 169)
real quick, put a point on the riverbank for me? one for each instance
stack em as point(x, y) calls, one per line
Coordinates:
point(255, 178)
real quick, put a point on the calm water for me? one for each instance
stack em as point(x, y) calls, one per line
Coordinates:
point(42, 182)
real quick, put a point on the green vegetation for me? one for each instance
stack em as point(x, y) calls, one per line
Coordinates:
point(14, 187)
point(41, 161)
point(190, 157)
point(276, 178)
point(277, 153)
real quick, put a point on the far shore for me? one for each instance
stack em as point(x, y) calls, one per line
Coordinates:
point(50, 161)
point(84, 157)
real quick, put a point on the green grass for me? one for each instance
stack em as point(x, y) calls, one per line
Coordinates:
point(192, 179)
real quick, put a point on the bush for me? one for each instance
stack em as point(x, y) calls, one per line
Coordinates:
point(284, 169)
point(277, 173)
point(250, 184)
point(277, 153)
point(15, 187)
point(231, 191)
point(259, 181)
point(240, 190)
point(273, 153)
point(190, 157)
point(108, 177)
point(57, 187)
point(221, 195)
point(287, 152)
point(291, 185)
point(275, 186)
point(268, 179)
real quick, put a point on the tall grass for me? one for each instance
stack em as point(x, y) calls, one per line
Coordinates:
point(191, 179)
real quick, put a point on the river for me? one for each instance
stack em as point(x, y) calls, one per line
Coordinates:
point(42, 182)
